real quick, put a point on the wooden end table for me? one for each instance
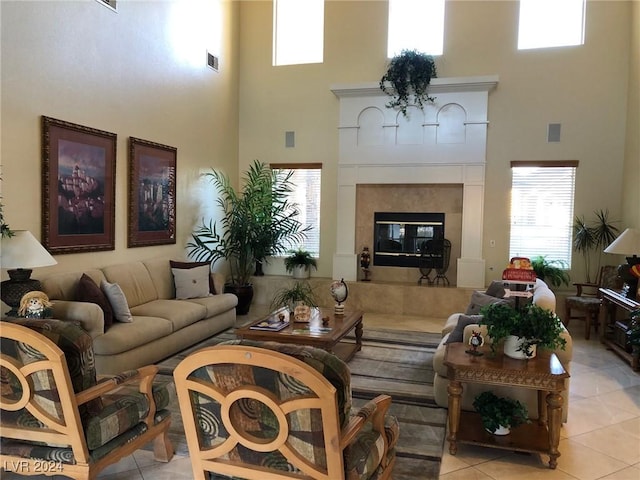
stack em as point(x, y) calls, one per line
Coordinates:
point(314, 333)
point(543, 373)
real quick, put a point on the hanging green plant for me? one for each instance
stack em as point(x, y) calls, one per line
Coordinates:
point(407, 80)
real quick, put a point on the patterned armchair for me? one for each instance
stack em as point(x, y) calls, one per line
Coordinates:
point(257, 410)
point(56, 419)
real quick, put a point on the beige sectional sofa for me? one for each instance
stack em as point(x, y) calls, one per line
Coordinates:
point(161, 326)
point(542, 296)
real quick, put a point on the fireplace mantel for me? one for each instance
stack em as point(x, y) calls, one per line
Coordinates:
point(445, 143)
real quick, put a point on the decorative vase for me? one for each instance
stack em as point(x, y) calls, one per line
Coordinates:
point(501, 430)
point(301, 272)
point(511, 345)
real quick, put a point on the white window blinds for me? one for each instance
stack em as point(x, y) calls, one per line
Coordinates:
point(542, 195)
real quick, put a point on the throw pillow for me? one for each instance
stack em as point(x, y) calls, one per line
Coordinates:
point(118, 301)
point(479, 300)
point(496, 289)
point(188, 265)
point(88, 291)
point(457, 334)
point(192, 282)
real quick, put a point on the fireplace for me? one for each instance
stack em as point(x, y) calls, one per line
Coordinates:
point(401, 238)
point(443, 144)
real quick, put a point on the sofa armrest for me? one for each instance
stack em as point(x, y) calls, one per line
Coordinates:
point(89, 315)
point(218, 282)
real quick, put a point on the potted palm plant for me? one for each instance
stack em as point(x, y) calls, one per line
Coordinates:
point(300, 262)
point(593, 237)
point(500, 414)
point(523, 330)
point(407, 79)
point(257, 221)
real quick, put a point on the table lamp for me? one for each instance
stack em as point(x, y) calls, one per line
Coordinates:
point(628, 243)
point(18, 255)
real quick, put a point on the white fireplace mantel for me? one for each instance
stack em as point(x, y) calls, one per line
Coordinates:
point(445, 143)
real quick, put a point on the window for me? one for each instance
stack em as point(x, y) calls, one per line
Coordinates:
point(298, 31)
point(551, 23)
point(306, 178)
point(542, 209)
point(415, 25)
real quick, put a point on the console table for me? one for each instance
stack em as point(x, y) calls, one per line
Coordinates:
point(543, 373)
point(611, 301)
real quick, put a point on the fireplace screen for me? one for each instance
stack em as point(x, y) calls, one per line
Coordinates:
point(400, 239)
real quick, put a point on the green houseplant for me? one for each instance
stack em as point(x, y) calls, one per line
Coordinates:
point(591, 238)
point(530, 326)
point(407, 79)
point(290, 296)
point(257, 221)
point(299, 263)
point(497, 412)
point(553, 272)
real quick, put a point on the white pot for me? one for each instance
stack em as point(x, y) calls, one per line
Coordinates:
point(501, 430)
point(301, 272)
point(511, 345)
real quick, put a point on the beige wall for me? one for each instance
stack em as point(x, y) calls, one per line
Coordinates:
point(583, 88)
point(139, 72)
point(80, 62)
point(631, 197)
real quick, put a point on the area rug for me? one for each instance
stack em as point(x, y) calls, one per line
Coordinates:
point(398, 363)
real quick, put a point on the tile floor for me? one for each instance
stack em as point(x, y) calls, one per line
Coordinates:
point(601, 440)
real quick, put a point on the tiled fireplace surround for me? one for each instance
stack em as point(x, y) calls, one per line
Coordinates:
point(432, 161)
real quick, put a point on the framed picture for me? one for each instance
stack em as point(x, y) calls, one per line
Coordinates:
point(78, 187)
point(152, 193)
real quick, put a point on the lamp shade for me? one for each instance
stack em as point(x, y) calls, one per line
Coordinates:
point(628, 243)
point(22, 250)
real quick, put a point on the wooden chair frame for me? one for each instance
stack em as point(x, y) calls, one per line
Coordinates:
point(69, 431)
point(590, 313)
point(324, 397)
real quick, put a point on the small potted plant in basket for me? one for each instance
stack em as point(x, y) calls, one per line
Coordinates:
point(522, 330)
point(500, 414)
point(294, 295)
point(299, 263)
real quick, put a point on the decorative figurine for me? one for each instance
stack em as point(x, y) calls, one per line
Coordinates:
point(476, 340)
point(34, 304)
point(365, 261)
point(339, 292)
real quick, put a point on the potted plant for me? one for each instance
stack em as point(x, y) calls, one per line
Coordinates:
point(593, 237)
point(552, 272)
point(407, 79)
point(500, 414)
point(291, 296)
point(256, 222)
point(299, 263)
point(522, 330)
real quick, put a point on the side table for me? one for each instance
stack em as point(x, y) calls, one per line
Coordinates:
point(543, 373)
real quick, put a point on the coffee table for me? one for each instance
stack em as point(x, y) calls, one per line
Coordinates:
point(314, 333)
point(543, 373)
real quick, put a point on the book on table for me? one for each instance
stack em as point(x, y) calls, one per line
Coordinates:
point(274, 323)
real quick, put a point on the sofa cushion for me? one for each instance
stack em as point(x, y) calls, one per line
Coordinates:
point(135, 281)
point(123, 337)
point(216, 304)
point(457, 334)
point(191, 282)
point(189, 265)
point(63, 286)
point(179, 312)
point(118, 301)
point(480, 299)
point(88, 291)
